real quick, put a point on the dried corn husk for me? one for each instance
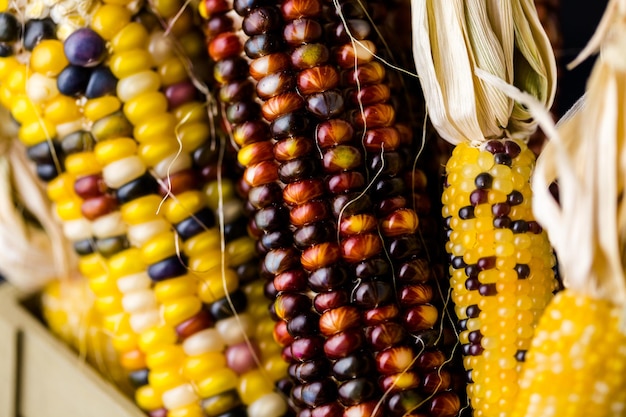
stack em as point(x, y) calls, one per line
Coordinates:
point(30, 254)
point(454, 38)
point(587, 156)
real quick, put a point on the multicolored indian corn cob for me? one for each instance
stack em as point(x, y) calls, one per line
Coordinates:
point(310, 263)
point(135, 178)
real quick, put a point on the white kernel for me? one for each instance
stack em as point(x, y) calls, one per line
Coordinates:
point(207, 340)
point(269, 405)
point(234, 329)
point(179, 396)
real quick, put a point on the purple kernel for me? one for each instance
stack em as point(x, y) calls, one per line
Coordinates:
point(514, 198)
point(519, 226)
point(494, 146)
point(502, 222)
point(466, 213)
point(501, 209)
point(472, 311)
point(478, 197)
point(242, 357)
point(488, 262)
point(475, 337)
point(179, 93)
point(523, 271)
point(476, 350)
point(512, 148)
point(472, 284)
point(502, 159)
point(483, 181)
point(487, 289)
point(534, 227)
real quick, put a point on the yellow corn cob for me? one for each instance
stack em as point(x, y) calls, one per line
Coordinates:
point(501, 266)
point(68, 309)
point(577, 362)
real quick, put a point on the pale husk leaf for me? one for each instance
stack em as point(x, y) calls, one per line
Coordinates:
point(587, 156)
point(454, 38)
point(30, 255)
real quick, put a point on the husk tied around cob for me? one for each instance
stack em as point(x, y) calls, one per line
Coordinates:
point(500, 259)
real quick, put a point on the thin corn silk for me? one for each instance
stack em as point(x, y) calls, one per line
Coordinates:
point(586, 157)
point(31, 253)
point(454, 38)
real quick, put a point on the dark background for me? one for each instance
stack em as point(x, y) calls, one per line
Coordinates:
point(578, 20)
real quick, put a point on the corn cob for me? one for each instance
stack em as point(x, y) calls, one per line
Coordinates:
point(501, 263)
point(250, 132)
point(69, 310)
point(388, 322)
point(313, 87)
point(152, 234)
point(500, 259)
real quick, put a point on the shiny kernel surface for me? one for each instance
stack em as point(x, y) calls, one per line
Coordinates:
point(576, 362)
point(495, 260)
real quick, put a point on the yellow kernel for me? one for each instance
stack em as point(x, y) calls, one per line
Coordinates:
point(82, 164)
point(102, 285)
point(165, 356)
point(109, 20)
point(176, 311)
point(141, 209)
point(202, 366)
point(240, 251)
point(155, 127)
point(202, 242)
point(123, 339)
point(160, 247)
point(486, 161)
point(253, 385)
point(166, 9)
point(132, 36)
point(62, 109)
point(216, 191)
point(166, 378)
point(192, 135)
point(151, 153)
point(137, 84)
point(185, 204)
point(190, 410)
point(92, 265)
point(69, 209)
point(212, 288)
point(48, 58)
point(175, 288)
point(114, 149)
point(97, 108)
point(219, 381)
point(172, 71)
point(147, 398)
point(157, 337)
point(36, 132)
point(125, 263)
point(109, 304)
point(204, 265)
point(192, 112)
point(24, 110)
point(129, 62)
